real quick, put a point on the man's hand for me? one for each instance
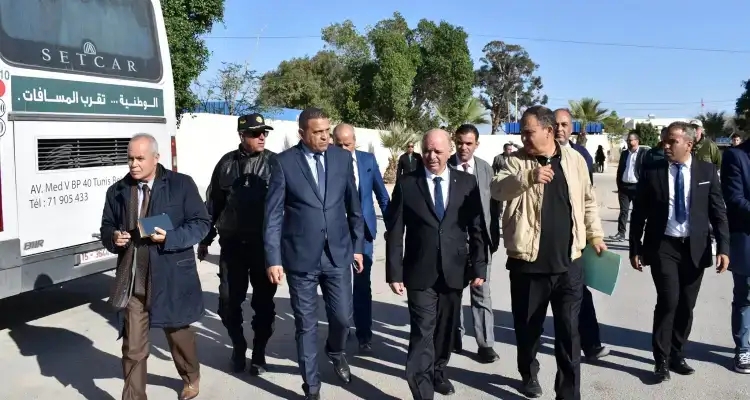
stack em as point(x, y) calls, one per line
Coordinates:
point(543, 174)
point(599, 247)
point(275, 274)
point(635, 262)
point(360, 263)
point(477, 282)
point(722, 263)
point(397, 288)
point(159, 235)
point(121, 239)
point(202, 252)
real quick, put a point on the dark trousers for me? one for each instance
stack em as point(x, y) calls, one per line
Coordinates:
point(363, 297)
point(242, 264)
point(625, 195)
point(530, 296)
point(135, 350)
point(336, 284)
point(433, 316)
point(677, 282)
point(588, 325)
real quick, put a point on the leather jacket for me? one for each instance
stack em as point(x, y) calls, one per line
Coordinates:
point(236, 195)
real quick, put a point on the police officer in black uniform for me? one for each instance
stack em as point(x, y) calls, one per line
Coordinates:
point(235, 199)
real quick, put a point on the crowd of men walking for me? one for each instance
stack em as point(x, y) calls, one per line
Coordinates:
point(307, 216)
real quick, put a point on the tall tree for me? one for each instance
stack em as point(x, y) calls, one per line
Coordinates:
point(235, 85)
point(585, 111)
point(648, 133)
point(714, 123)
point(391, 74)
point(186, 21)
point(507, 71)
point(614, 126)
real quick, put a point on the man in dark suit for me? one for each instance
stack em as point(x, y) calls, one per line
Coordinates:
point(314, 229)
point(675, 202)
point(628, 172)
point(735, 184)
point(368, 181)
point(409, 161)
point(588, 324)
point(467, 141)
point(156, 281)
point(437, 207)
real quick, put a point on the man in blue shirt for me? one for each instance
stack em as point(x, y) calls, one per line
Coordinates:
point(588, 325)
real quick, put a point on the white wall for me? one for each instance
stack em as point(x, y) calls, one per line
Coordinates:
point(202, 139)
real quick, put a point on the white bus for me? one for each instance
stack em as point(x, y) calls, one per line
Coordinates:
point(78, 78)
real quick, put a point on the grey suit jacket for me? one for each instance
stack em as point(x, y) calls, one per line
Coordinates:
point(484, 174)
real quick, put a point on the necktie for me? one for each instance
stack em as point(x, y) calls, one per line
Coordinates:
point(439, 204)
point(466, 167)
point(141, 251)
point(321, 174)
point(680, 210)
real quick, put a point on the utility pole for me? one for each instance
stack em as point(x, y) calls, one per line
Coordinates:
point(517, 107)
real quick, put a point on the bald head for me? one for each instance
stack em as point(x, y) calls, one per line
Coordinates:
point(436, 149)
point(343, 136)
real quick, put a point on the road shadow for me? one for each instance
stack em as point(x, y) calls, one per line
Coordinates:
point(614, 336)
point(59, 352)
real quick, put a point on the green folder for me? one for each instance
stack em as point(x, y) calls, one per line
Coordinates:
point(600, 271)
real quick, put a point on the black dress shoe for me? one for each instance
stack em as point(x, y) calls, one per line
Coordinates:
point(365, 348)
point(487, 355)
point(531, 387)
point(681, 367)
point(596, 353)
point(444, 387)
point(312, 396)
point(662, 372)
point(238, 361)
point(341, 368)
point(258, 364)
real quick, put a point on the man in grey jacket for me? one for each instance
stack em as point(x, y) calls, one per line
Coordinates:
point(467, 141)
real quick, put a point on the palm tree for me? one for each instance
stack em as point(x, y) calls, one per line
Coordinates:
point(395, 137)
point(714, 123)
point(585, 111)
point(473, 112)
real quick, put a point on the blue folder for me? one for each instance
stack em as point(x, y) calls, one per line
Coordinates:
point(600, 271)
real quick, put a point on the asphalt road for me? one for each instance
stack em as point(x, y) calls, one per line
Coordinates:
point(60, 344)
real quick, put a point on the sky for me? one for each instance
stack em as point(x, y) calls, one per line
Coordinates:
point(634, 81)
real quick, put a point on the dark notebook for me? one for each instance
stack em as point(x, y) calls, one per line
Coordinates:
point(147, 226)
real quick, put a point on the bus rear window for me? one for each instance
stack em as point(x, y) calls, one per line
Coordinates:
point(115, 38)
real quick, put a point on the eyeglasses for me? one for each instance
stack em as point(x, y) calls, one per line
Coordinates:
point(254, 134)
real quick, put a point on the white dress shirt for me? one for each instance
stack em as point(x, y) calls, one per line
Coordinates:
point(470, 163)
point(446, 175)
point(310, 157)
point(356, 170)
point(628, 176)
point(674, 228)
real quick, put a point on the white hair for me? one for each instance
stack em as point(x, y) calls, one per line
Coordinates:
point(151, 140)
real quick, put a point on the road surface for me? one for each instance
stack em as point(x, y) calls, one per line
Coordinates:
point(60, 344)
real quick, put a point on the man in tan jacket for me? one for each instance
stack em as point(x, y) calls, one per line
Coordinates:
point(550, 215)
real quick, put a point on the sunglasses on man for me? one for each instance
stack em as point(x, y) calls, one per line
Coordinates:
point(255, 134)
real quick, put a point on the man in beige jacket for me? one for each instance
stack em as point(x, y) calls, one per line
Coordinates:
point(550, 215)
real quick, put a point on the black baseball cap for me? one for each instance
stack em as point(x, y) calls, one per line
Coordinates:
point(252, 122)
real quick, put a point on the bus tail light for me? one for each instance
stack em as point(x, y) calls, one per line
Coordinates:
point(174, 154)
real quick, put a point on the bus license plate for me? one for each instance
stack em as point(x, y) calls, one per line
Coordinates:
point(94, 256)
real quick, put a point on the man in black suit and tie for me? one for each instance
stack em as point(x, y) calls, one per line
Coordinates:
point(409, 161)
point(676, 199)
point(314, 233)
point(628, 172)
point(437, 207)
